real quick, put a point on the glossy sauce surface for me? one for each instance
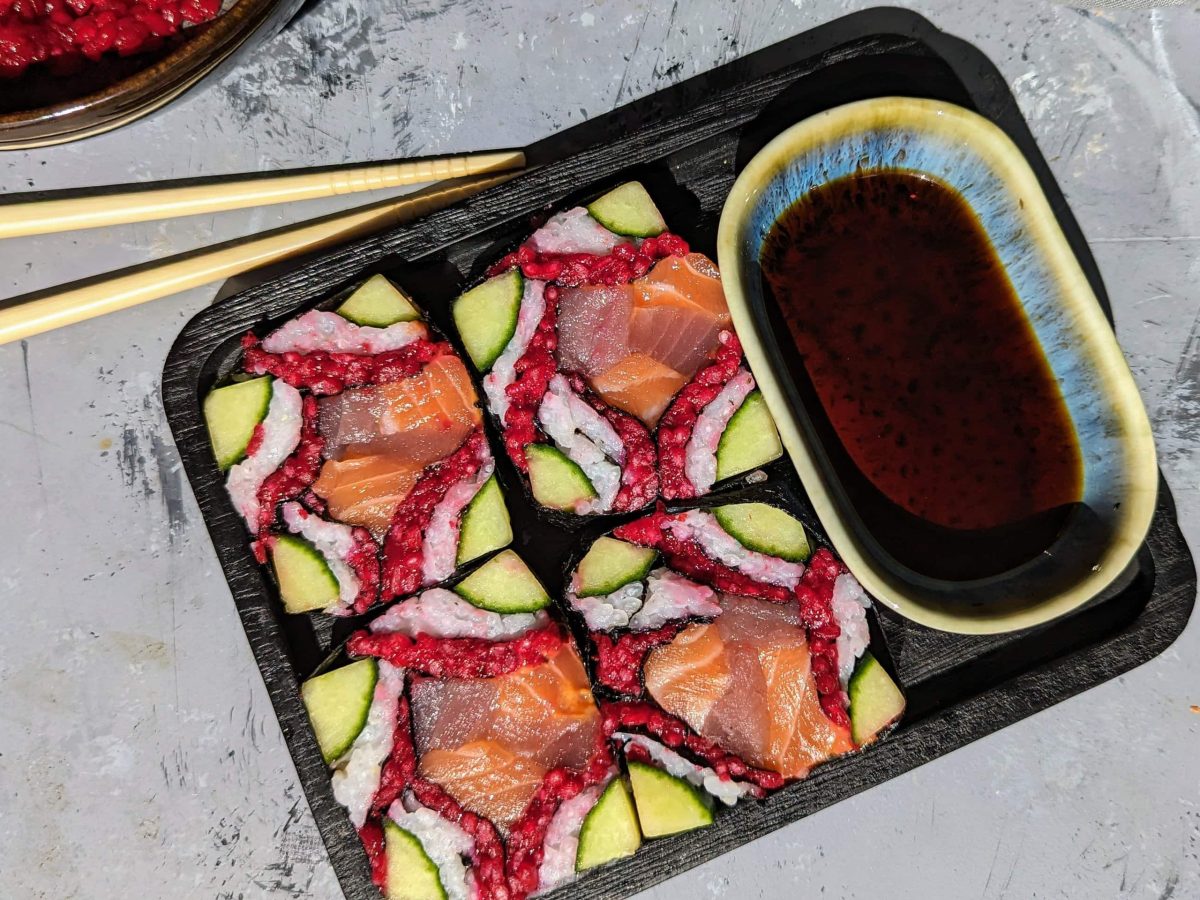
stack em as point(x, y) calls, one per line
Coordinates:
point(922, 377)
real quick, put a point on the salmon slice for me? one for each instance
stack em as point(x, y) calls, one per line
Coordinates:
point(486, 778)
point(681, 337)
point(489, 741)
point(419, 419)
point(366, 490)
point(593, 327)
point(639, 385)
point(694, 280)
point(745, 681)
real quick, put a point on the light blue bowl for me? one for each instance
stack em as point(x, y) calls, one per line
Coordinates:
point(977, 159)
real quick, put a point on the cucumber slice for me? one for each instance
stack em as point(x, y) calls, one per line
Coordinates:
point(610, 830)
point(411, 874)
point(765, 529)
point(628, 210)
point(875, 700)
point(379, 303)
point(338, 703)
point(232, 413)
point(666, 804)
point(611, 564)
point(305, 580)
point(749, 440)
point(486, 317)
point(504, 584)
point(555, 480)
point(485, 525)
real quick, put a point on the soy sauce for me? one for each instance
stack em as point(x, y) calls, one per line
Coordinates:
point(921, 375)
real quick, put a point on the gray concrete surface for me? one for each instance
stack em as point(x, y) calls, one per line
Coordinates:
point(139, 756)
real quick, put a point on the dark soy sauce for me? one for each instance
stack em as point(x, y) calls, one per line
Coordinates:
point(922, 377)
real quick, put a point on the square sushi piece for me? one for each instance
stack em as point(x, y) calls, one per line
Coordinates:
point(740, 657)
point(353, 448)
point(610, 364)
point(466, 745)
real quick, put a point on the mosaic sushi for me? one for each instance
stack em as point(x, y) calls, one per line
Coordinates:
point(353, 450)
point(608, 359)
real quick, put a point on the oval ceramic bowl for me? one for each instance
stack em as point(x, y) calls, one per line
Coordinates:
point(978, 160)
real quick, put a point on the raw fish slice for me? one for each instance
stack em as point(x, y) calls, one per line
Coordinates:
point(422, 418)
point(639, 385)
point(679, 336)
point(740, 721)
point(366, 490)
point(694, 279)
point(450, 712)
point(574, 231)
point(593, 327)
point(801, 735)
point(485, 778)
point(689, 675)
point(764, 624)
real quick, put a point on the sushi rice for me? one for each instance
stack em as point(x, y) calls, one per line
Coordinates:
point(280, 437)
point(504, 372)
point(561, 846)
point(703, 528)
point(439, 550)
point(574, 231)
point(670, 596)
point(850, 603)
point(335, 542)
point(445, 843)
point(700, 462)
point(726, 790)
point(609, 611)
point(320, 330)
point(440, 613)
point(587, 439)
point(356, 776)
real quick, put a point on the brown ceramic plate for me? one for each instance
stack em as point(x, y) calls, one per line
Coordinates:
point(39, 109)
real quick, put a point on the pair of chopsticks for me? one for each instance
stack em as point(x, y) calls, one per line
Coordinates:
point(451, 179)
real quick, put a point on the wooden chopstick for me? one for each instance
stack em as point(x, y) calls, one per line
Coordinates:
point(22, 317)
point(41, 216)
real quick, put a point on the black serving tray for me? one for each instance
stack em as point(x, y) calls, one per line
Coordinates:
point(687, 143)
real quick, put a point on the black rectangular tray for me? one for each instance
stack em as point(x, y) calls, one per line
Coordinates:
point(686, 143)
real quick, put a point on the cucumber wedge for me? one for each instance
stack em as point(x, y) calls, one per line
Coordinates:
point(486, 317)
point(765, 529)
point(305, 579)
point(611, 564)
point(411, 874)
point(555, 480)
point(232, 413)
point(628, 210)
point(610, 830)
point(338, 703)
point(504, 584)
point(749, 440)
point(379, 303)
point(666, 804)
point(485, 524)
point(875, 700)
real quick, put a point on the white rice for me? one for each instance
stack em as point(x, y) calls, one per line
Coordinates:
point(439, 549)
point(574, 231)
point(444, 842)
point(356, 778)
point(440, 613)
point(700, 464)
point(504, 373)
point(281, 435)
point(726, 790)
point(850, 604)
point(587, 439)
point(610, 611)
point(320, 330)
point(727, 550)
point(562, 839)
point(334, 541)
point(670, 596)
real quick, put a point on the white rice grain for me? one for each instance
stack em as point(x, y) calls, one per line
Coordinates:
point(321, 330)
point(334, 541)
point(726, 790)
point(562, 839)
point(439, 548)
point(727, 550)
point(574, 231)
point(700, 463)
point(440, 613)
point(280, 436)
point(669, 597)
point(850, 603)
point(504, 373)
point(445, 843)
point(609, 611)
point(356, 778)
point(587, 439)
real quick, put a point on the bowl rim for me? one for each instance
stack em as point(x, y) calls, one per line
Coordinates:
point(997, 150)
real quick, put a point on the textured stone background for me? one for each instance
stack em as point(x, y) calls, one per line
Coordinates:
point(138, 753)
